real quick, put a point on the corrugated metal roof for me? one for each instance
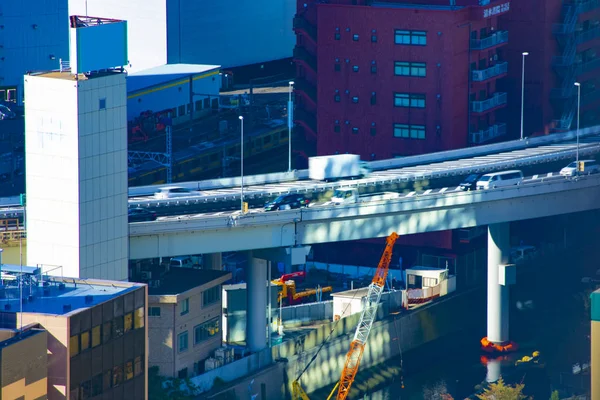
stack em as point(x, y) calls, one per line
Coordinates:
point(165, 73)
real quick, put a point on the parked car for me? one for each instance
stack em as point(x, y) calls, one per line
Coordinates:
point(140, 215)
point(589, 167)
point(500, 179)
point(6, 113)
point(174, 191)
point(287, 202)
point(470, 182)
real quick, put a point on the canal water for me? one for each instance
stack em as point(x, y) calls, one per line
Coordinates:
point(549, 313)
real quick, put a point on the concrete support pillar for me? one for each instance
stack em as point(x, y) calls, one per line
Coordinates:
point(256, 294)
point(212, 261)
point(497, 293)
point(595, 338)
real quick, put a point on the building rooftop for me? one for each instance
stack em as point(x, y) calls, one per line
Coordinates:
point(165, 73)
point(66, 74)
point(180, 280)
point(55, 295)
point(354, 293)
point(439, 7)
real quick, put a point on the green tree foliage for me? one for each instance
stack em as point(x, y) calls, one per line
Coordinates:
point(555, 395)
point(502, 391)
point(161, 388)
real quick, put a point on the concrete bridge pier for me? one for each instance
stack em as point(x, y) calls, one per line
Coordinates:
point(595, 345)
point(212, 261)
point(256, 296)
point(500, 275)
point(290, 256)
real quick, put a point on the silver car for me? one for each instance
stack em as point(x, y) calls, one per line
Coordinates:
point(589, 167)
point(174, 191)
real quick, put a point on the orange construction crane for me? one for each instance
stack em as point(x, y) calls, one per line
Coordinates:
point(367, 318)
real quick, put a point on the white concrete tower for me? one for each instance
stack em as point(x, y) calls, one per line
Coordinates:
point(76, 159)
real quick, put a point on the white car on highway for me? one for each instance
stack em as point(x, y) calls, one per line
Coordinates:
point(174, 191)
point(589, 167)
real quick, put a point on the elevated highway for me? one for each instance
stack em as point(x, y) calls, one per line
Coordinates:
point(428, 211)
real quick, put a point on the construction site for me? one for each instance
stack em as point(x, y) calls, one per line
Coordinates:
point(324, 335)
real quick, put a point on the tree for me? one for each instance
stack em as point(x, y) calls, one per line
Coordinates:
point(437, 391)
point(502, 391)
point(555, 395)
point(162, 388)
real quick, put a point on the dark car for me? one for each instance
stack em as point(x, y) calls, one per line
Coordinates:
point(141, 215)
point(470, 183)
point(287, 202)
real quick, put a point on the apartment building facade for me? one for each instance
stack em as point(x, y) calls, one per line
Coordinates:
point(185, 320)
point(562, 38)
point(96, 333)
point(386, 78)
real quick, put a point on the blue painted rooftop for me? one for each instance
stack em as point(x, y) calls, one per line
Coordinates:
point(56, 295)
point(165, 73)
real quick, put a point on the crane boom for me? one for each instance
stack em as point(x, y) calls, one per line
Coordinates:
point(357, 347)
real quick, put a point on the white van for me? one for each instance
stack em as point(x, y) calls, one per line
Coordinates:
point(499, 179)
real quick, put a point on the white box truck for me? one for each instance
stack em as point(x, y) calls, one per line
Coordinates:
point(339, 166)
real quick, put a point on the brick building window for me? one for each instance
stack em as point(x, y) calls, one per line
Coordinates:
point(355, 37)
point(206, 330)
point(411, 100)
point(355, 68)
point(373, 38)
point(355, 130)
point(182, 342)
point(406, 68)
point(211, 296)
point(355, 99)
point(410, 38)
point(337, 36)
point(409, 131)
point(373, 98)
point(184, 307)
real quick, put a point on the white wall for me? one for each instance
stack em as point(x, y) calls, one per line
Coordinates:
point(28, 49)
point(146, 22)
point(77, 175)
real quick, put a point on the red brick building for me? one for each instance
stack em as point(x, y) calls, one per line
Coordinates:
point(562, 38)
point(384, 79)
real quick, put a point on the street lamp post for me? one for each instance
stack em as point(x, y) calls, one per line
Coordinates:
point(523, 92)
point(290, 124)
point(242, 163)
point(577, 134)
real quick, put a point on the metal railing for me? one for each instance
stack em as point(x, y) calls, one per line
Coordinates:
point(305, 118)
point(568, 25)
point(495, 39)
point(13, 237)
point(300, 23)
point(488, 134)
point(587, 35)
point(302, 54)
point(568, 85)
point(568, 56)
point(304, 86)
point(588, 66)
point(496, 100)
point(485, 74)
point(586, 5)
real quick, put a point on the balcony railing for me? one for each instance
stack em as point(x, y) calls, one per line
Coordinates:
point(588, 66)
point(302, 54)
point(568, 25)
point(300, 23)
point(498, 99)
point(587, 35)
point(308, 88)
point(488, 73)
point(497, 38)
point(306, 119)
point(584, 6)
point(568, 55)
point(488, 134)
point(564, 123)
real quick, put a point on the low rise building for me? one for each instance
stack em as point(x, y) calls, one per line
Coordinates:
point(23, 364)
point(96, 333)
point(185, 319)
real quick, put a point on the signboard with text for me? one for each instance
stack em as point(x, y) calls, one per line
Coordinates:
point(496, 10)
